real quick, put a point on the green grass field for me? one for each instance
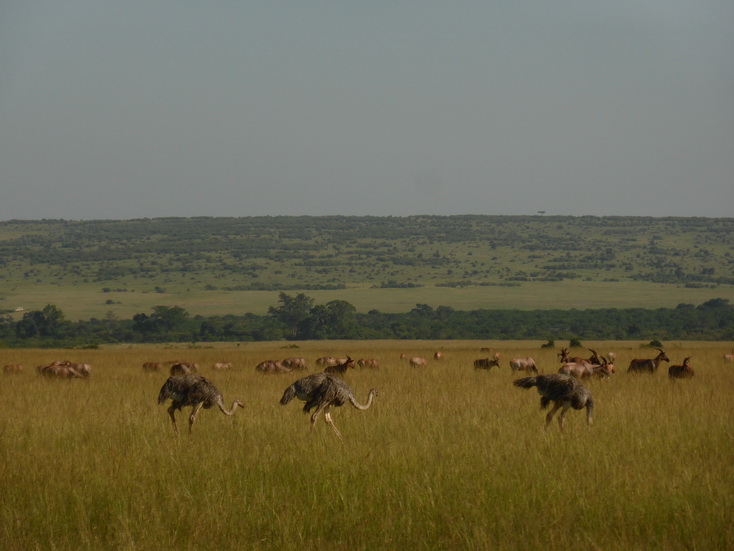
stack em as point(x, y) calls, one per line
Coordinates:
point(83, 302)
point(446, 458)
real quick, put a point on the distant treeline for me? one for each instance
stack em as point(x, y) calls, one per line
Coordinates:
point(298, 318)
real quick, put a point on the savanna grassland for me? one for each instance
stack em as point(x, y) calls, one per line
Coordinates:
point(219, 266)
point(446, 458)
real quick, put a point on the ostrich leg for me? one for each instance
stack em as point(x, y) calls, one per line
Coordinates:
point(194, 413)
point(551, 413)
point(172, 413)
point(327, 418)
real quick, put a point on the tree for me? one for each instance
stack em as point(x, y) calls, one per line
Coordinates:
point(162, 320)
point(292, 311)
point(44, 323)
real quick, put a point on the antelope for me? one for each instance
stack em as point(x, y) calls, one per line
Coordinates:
point(219, 366)
point(59, 369)
point(152, 366)
point(184, 368)
point(523, 364)
point(438, 356)
point(272, 367)
point(341, 368)
point(566, 358)
point(13, 368)
point(486, 363)
point(418, 362)
point(326, 361)
point(648, 365)
point(368, 362)
point(584, 370)
point(295, 363)
point(729, 357)
point(684, 371)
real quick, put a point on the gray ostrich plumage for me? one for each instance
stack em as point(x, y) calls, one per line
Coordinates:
point(195, 391)
point(321, 391)
point(564, 391)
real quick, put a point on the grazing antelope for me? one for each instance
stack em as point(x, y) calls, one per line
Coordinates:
point(648, 365)
point(368, 362)
point(487, 363)
point(152, 366)
point(13, 368)
point(523, 364)
point(220, 366)
point(184, 368)
point(684, 371)
point(438, 356)
point(566, 358)
point(418, 362)
point(729, 357)
point(272, 367)
point(63, 370)
point(295, 363)
point(326, 361)
point(584, 370)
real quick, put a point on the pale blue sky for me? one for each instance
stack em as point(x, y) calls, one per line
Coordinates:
point(187, 108)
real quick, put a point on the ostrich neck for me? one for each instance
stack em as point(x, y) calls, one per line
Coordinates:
point(225, 410)
point(356, 404)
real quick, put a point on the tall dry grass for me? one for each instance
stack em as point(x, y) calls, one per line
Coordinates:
point(447, 457)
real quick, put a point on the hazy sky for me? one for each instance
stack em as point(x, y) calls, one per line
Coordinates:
point(153, 108)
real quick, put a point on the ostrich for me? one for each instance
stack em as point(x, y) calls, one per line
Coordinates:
point(195, 391)
point(321, 391)
point(564, 391)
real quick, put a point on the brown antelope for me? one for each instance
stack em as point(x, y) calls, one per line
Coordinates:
point(438, 356)
point(63, 370)
point(729, 357)
point(220, 366)
point(326, 361)
point(566, 358)
point(184, 368)
point(487, 363)
point(13, 368)
point(648, 365)
point(368, 362)
point(341, 368)
point(584, 370)
point(418, 362)
point(271, 367)
point(152, 366)
point(523, 364)
point(295, 363)
point(684, 371)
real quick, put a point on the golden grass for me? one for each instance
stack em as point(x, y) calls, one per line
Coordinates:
point(447, 457)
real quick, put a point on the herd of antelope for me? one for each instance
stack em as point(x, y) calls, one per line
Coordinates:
point(576, 366)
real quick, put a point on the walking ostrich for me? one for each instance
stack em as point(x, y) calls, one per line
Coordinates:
point(321, 391)
point(195, 391)
point(564, 391)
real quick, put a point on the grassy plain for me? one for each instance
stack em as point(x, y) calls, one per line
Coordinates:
point(447, 457)
point(83, 302)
